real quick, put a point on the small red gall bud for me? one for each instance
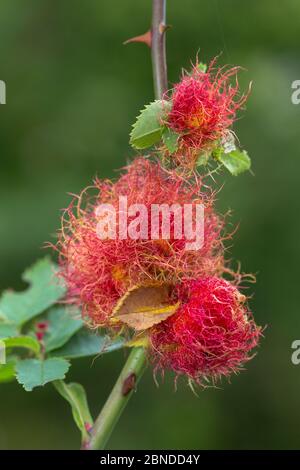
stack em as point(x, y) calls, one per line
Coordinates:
point(204, 105)
point(39, 335)
point(42, 326)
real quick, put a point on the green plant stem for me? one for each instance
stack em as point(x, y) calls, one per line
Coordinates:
point(118, 398)
point(135, 364)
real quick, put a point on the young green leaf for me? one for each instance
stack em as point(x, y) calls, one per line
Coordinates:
point(236, 161)
point(202, 67)
point(33, 373)
point(85, 343)
point(44, 291)
point(63, 324)
point(75, 395)
point(217, 152)
point(148, 127)
point(26, 342)
point(170, 139)
point(7, 371)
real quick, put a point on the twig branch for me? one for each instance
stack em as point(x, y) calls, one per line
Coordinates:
point(159, 63)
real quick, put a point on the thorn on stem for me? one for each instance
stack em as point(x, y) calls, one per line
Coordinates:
point(128, 384)
point(164, 27)
point(146, 38)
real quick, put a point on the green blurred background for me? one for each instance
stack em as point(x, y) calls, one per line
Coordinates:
point(73, 91)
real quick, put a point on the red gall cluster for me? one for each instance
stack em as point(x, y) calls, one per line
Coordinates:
point(99, 271)
point(204, 106)
point(211, 335)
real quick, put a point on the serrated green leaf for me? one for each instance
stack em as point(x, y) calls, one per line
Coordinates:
point(170, 139)
point(85, 343)
point(8, 330)
point(63, 324)
point(7, 371)
point(75, 395)
point(217, 152)
point(33, 373)
point(26, 342)
point(236, 161)
point(44, 291)
point(148, 127)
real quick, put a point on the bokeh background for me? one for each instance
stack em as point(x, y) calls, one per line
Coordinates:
point(73, 91)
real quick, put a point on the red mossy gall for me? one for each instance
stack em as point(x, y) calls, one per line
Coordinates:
point(99, 271)
point(211, 335)
point(204, 105)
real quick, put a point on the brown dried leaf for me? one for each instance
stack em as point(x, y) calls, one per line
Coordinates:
point(144, 306)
